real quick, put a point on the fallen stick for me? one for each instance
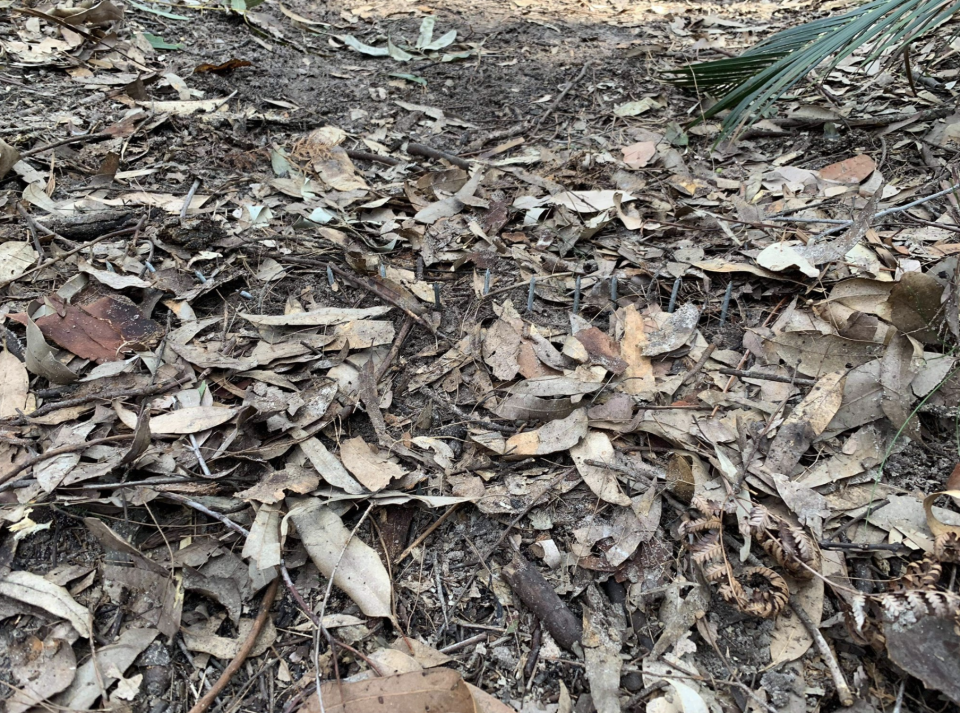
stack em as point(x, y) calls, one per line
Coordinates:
point(204, 703)
point(561, 95)
point(760, 376)
point(537, 593)
point(71, 448)
point(428, 152)
point(826, 653)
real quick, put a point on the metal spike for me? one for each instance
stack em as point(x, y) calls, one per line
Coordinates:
point(533, 283)
point(436, 294)
point(200, 276)
point(673, 295)
point(613, 290)
point(383, 271)
point(419, 268)
point(576, 296)
point(246, 295)
point(330, 276)
point(486, 282)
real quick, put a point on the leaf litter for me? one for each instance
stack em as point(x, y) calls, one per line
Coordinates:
point(426, 357)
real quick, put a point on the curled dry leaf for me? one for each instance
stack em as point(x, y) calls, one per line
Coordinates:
point(327, 316)
point(40, 359)
point(355, 567)
point(602, 481)
point(556, 436)
point(37, 591)
point(15, 258)
point(373, 468)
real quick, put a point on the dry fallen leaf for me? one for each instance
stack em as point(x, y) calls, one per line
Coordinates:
point(372, 468)
point(14, 384)
point(354, 566)
point(37, 591)
point(556, 436)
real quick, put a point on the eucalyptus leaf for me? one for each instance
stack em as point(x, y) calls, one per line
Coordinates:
point(158, 43)
point(426, 32)
point(444, 41)
point(409, 77)
point(161, 13)
point(397, 53)
point(354, 43)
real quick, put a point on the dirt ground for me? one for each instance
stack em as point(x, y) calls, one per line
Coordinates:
point(544, 83)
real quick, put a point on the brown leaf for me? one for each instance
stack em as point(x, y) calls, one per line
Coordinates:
point(42, 669)
point(915, 306)
point(851, 170)
point(807, 421)
point(372, 468)
point(602, 349)
point(436, 689)
point(100, 331)
point(14, 384)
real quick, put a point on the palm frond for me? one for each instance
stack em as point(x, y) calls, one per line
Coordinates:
point(749, 84)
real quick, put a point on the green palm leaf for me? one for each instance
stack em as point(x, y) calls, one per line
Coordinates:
point(749, 84)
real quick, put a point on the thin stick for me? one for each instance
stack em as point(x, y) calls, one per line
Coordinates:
point(204, 703)
point(429, 152)
point(843, 690)
point(62, 450)
point(376, 158)
point(108, 395)
point(239, 529)
point(561, 96)
point(760, 376)
point(429, 531)
point(54, 260)
point(374, 288)
point(63, 142)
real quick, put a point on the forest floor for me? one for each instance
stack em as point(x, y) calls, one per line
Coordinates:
point(426, 355)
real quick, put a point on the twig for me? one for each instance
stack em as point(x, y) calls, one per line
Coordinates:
point(465, 643)
point(62, 450)
point(394, 350)
point(416, 543)
point(460, 413)
point(496, 545)
point(561, 95)
point(525, 283)
point(108, 395)
point(32, 227)
point(376, 158)
point(760, 376)
point(239, 529)
point(204, 703)
point(64, 142)
point(376, 289)
point(843, 690)
point(428, 152)
point(90, 244)
point(707, 353)
point(645, 693)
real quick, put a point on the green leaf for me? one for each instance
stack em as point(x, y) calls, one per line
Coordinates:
point(354, 43)
point(409, 77)
point(675, 135)
point(158, 43)
point(426, 32)
point(161, 13)
point(397, 53)
point(444, 41)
